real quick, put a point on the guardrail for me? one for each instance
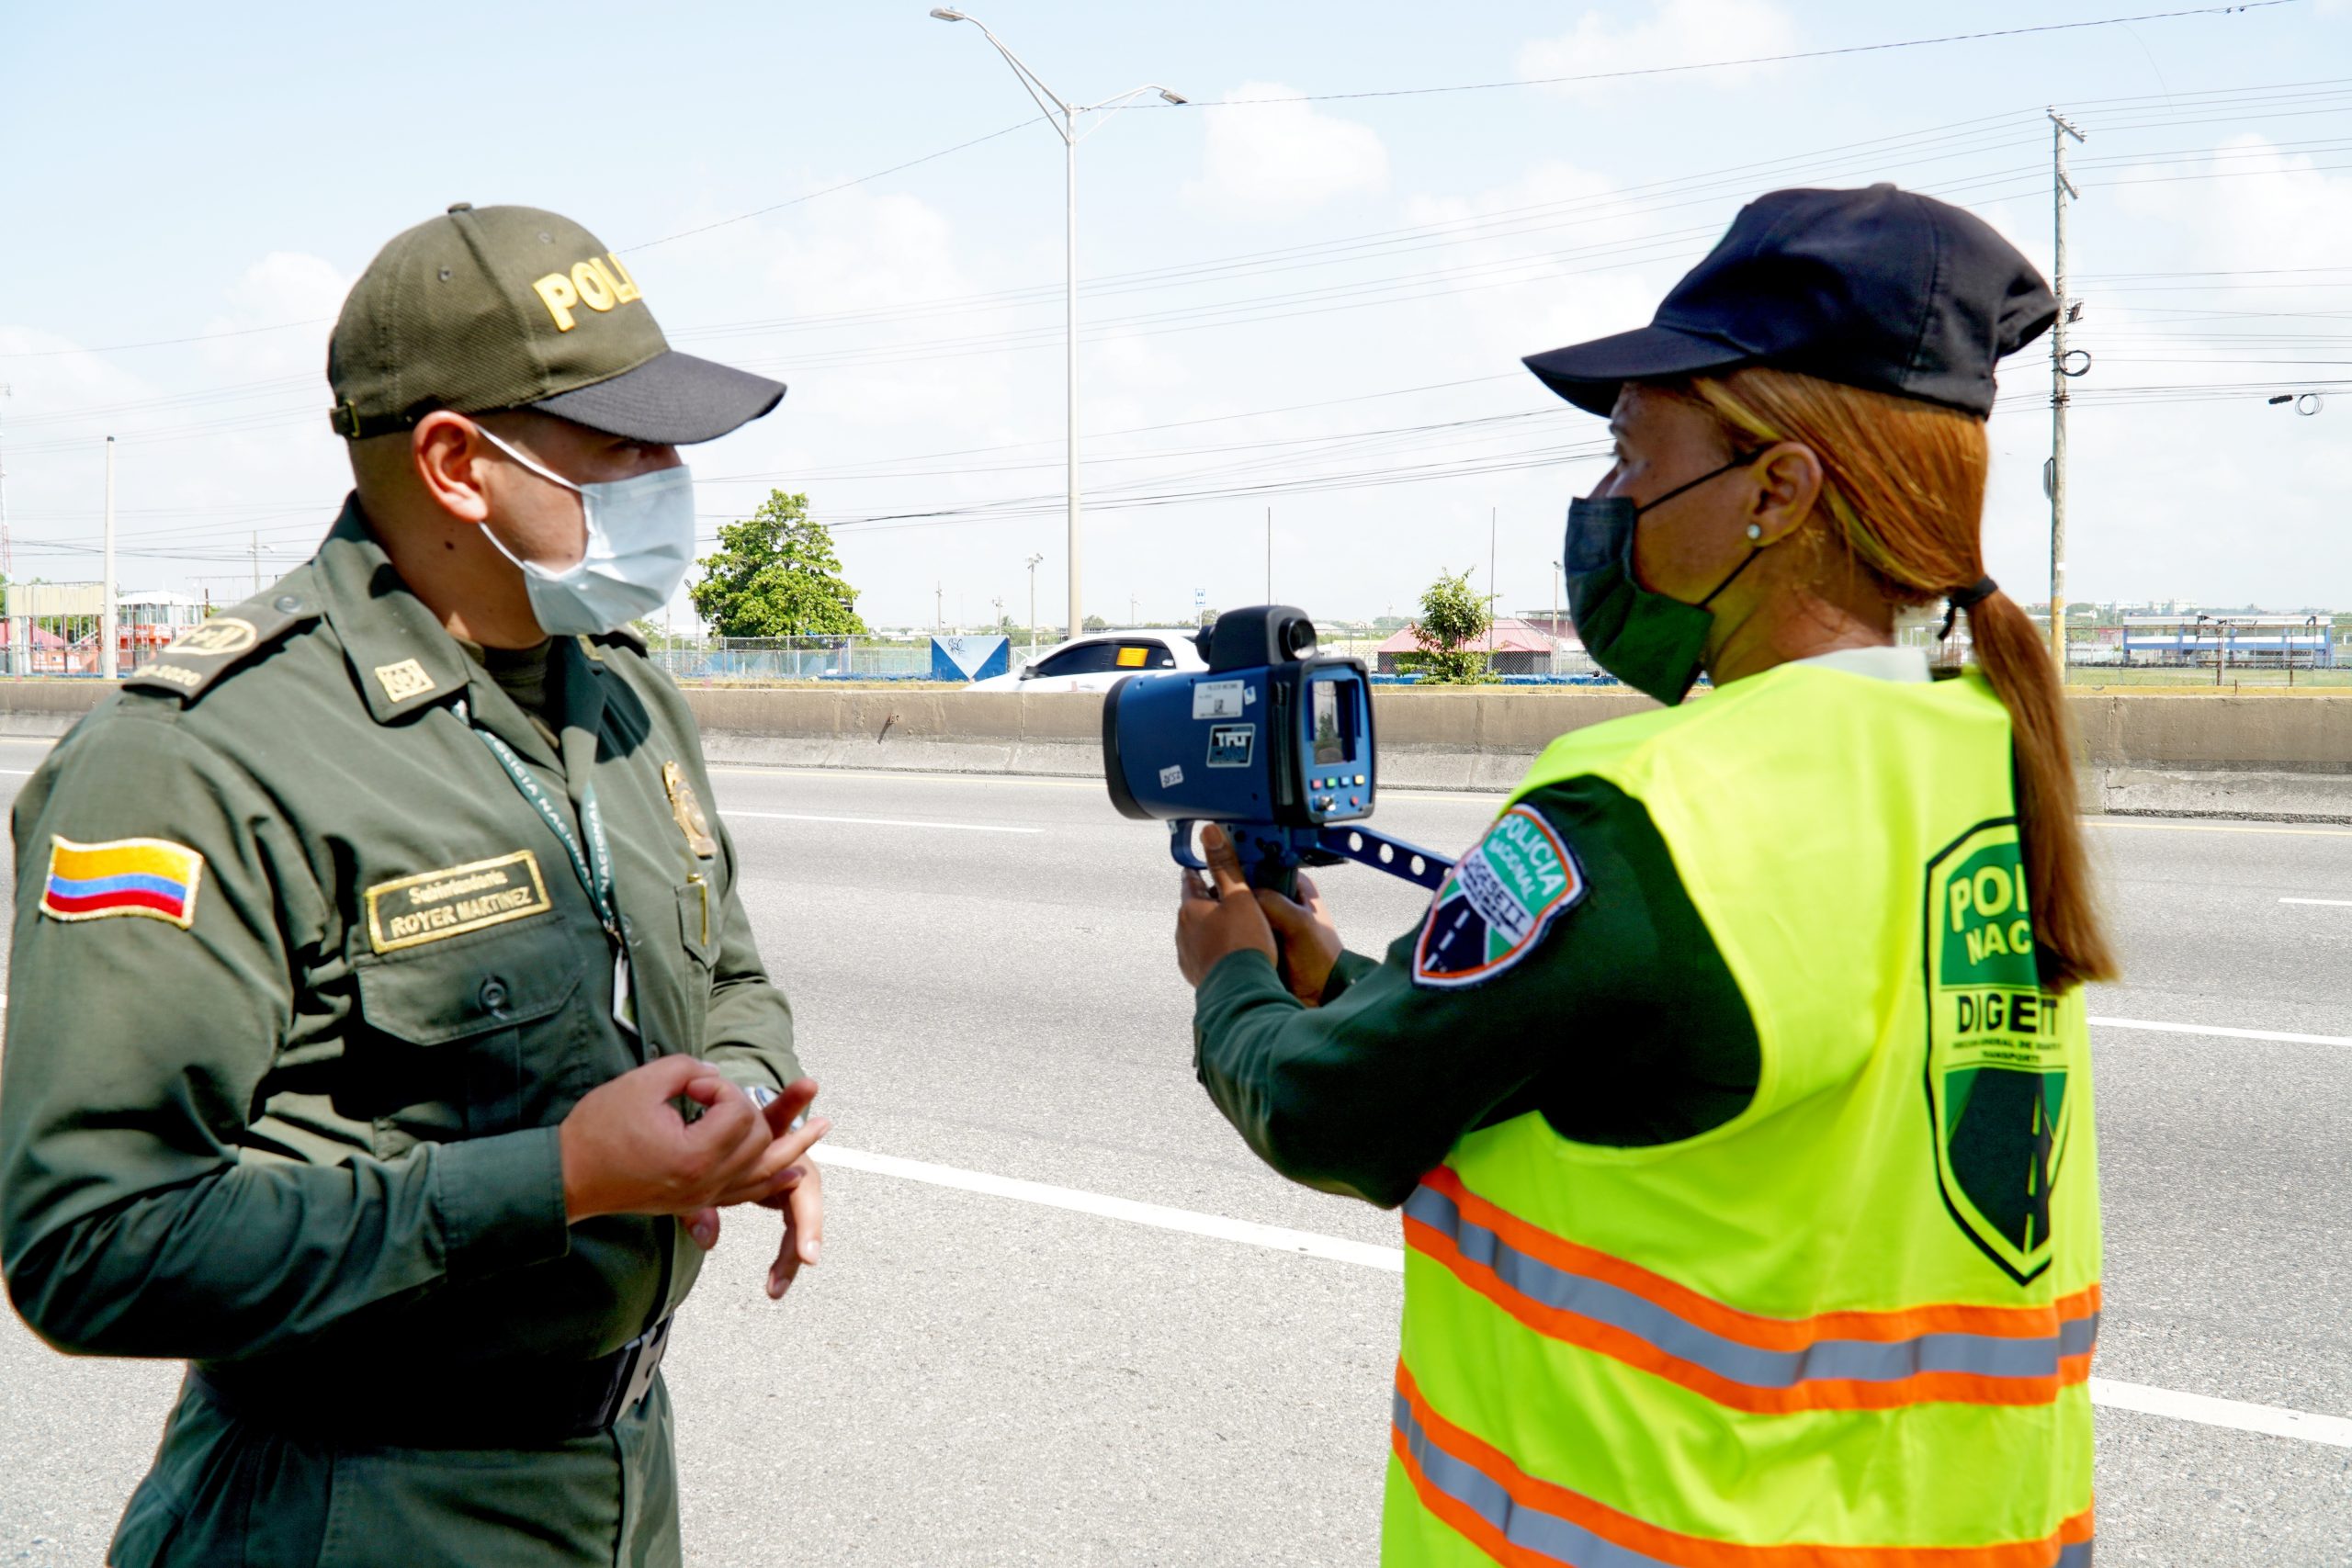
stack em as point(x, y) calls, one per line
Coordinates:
point(2168, 753)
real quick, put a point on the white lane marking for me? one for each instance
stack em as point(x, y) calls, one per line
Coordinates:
point(878, 821)
point(1276, 1237)
point(1026, 781)
point(2217, 828)
point(18, 772)
point(2332, 903)
point(2214, 1029)
point(2275, 1420)
point(2200, 1409)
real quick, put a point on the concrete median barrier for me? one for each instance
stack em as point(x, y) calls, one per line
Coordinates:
point(2284, 757)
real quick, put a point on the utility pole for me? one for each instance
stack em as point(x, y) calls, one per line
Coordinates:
point(255, 551)
point(1494, 590)
point(938, 608)
point(106, 597)
point(1555, 627)
point(1033, 604)
point(1269, 555)
point(7, 567)
point(1131, 609)
point(2062, 191)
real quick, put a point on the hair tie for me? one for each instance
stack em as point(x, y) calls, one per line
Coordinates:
point(1966, 598)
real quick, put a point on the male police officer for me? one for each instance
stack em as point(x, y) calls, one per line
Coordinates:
point(370, 946)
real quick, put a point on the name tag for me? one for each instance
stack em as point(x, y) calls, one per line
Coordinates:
point(411, 910)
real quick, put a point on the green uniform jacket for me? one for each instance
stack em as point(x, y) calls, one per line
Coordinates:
point(1622, 1027)
point(308, 1112)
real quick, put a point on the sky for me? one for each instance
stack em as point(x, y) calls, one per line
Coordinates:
point(1291, 298)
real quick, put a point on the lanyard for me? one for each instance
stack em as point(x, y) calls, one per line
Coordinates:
point(592, 862)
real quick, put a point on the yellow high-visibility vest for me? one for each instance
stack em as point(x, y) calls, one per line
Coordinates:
point(1851, 1327)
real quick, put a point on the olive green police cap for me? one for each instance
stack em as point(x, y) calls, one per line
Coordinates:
point(499, 308)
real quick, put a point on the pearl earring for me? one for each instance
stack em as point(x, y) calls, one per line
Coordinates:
point(1754, 531)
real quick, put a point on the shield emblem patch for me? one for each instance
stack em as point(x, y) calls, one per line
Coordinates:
point(1997, 1058)
point(1496, 902)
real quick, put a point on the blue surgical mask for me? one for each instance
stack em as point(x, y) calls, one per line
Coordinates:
point(640, 541)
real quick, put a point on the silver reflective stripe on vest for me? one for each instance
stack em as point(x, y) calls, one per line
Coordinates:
point(1524, 1527)
point(1855, 1360)
point(1549, 1536)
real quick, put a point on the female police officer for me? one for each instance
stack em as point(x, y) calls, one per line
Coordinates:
point(1736, 1086)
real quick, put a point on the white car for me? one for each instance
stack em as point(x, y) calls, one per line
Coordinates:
point(1099, 660)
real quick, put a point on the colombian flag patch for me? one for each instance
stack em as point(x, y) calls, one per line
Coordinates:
point(153, 877)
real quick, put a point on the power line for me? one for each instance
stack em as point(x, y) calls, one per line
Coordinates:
point(1758, 58)
point(162, 342)
point(862, 179)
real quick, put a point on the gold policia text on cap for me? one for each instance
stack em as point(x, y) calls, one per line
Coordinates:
point(600, 283)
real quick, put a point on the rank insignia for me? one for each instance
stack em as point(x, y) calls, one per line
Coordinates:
point(686, 809)
point(402, 681)
point(153, 877)
point(1496, 903)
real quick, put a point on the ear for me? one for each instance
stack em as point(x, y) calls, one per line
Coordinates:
point(1787, 479)
point(449, 453)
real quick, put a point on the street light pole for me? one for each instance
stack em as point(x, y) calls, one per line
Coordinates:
point(1555, 627)
point(1062, 115)
point(1033, 604)
point(105, 570)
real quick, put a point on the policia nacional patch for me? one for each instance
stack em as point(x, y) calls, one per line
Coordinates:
point(1496, 902)
point(1996, 1067)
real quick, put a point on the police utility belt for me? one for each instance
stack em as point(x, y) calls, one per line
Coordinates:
point(496, 1405)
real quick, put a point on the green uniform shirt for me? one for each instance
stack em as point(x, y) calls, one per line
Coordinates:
point(1622, 1027)
point(302, 1103)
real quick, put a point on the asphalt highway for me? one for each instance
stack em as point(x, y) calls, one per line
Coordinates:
point(1059, 1338)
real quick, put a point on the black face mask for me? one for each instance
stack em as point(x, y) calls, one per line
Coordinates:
point(1653, 643)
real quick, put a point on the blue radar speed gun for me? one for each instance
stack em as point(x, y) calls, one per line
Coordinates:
point(1272, 742)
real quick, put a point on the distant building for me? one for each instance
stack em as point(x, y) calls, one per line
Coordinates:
point(1516, 648)
point(2230, 639)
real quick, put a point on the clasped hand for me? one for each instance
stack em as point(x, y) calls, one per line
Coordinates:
point(626, 1150)
point(1225, 915)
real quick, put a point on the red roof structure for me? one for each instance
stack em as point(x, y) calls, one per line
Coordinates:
point(1509, 635)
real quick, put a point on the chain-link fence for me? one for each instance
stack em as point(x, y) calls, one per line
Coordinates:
point(756, 658)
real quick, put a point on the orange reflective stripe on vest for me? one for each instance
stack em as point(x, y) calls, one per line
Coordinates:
point(1524, 1522)
point(1842, 1360)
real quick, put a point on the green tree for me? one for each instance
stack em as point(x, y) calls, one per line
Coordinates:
point(776, 575)
point(1452, 617)
point(1095, 624)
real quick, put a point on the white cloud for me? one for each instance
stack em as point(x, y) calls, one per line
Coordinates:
point(2260, 208)
point(282, 287)
point(1676, 32)
point(1284, 155)
point(1563, 222)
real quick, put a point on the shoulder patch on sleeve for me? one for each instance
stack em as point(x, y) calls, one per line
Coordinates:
point(202, 654)
point(152, 878)
point(1498, 900)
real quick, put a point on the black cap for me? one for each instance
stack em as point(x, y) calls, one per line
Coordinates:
point(1881, 289)
point(484, 309)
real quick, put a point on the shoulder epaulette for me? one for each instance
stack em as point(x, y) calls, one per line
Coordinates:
point(202, 654)
point(624, 637)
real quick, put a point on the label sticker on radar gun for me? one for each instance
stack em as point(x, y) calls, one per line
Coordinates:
point(1169, 777)
point(1219, 699)
point(1496, 903)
